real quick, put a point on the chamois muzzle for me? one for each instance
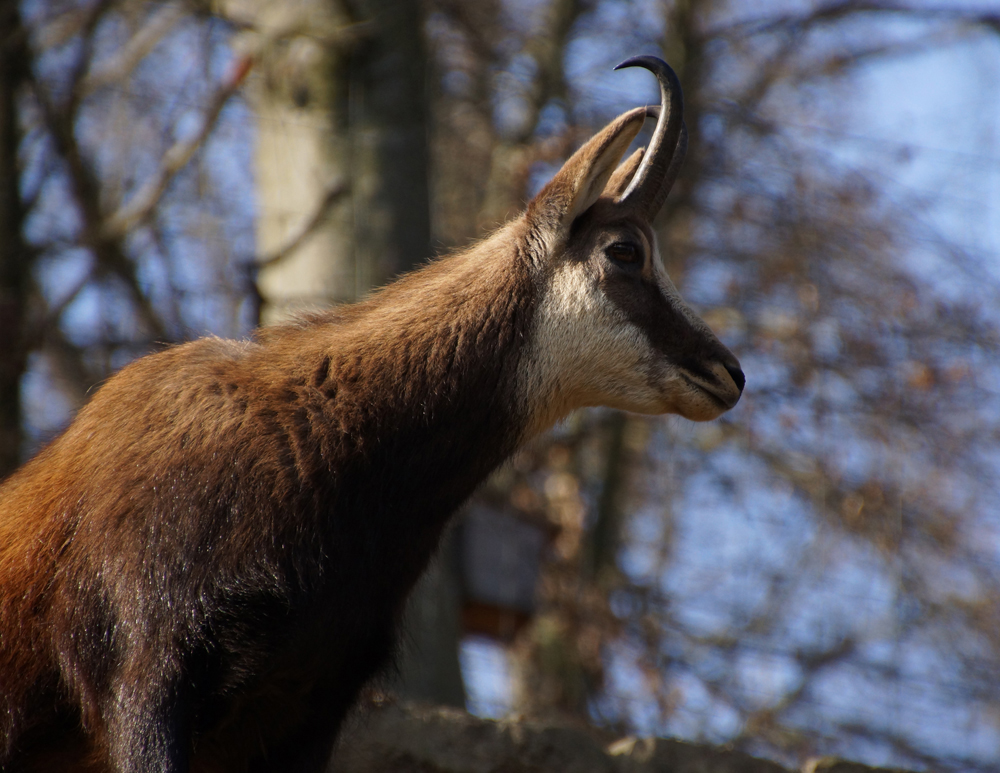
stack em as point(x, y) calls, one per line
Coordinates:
point(662, 160)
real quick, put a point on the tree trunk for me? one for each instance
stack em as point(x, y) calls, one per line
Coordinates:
point(303, 153)
point(340, 108)
point(390, 186)
point(15, 275)
point(388, 126)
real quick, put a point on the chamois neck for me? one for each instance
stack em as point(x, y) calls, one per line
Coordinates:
point(426, 372)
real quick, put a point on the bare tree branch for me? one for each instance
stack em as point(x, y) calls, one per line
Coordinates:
point(163, 20)
point(144, 201)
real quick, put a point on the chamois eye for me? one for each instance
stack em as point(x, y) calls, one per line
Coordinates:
point(624, 252)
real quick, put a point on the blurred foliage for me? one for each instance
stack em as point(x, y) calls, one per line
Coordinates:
point(817, 572)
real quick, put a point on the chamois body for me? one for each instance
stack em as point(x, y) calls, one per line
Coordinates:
point(203, 571)
point(322, 462)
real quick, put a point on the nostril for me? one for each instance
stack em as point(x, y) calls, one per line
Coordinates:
point(738, 377)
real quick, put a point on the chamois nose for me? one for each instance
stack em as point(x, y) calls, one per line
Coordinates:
point(737, 374)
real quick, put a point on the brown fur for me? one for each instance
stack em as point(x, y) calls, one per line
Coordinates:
point(205, 568)
point(250, 437)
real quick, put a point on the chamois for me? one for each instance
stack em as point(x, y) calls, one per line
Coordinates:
point(206, 567)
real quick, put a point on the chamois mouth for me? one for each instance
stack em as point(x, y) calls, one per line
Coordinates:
point(725, 396)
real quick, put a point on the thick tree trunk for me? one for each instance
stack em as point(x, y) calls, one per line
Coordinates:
point(429, 669)
point(345, 107)
point(389, 181)
point(303, 153)
point(389, 140)
point(15, 272)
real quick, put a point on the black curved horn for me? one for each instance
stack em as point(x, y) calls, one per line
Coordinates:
point(662, 161)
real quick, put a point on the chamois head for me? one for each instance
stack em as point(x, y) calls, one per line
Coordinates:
point(612, 329)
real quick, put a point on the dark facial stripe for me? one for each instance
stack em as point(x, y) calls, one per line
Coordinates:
point(669, 331)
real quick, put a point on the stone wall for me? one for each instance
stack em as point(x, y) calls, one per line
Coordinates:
point(411, 738)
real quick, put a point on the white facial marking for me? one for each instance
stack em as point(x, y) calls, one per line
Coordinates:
point(586, 352)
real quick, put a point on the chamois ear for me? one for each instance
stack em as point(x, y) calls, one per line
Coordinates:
point(583, 177)
point(623, 176)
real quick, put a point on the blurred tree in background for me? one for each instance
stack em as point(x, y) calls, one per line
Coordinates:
point(817, 572)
